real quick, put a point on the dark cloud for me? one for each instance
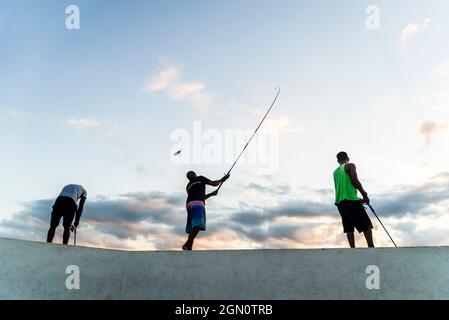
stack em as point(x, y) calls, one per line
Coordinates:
point(250, 217)
point(298, 232)
point(293, 208)
point(134, 211)
point(278, 189)
point(177, 199)
point(158, 219)
point(414, 200)
point(304, 208)
point(128, 217)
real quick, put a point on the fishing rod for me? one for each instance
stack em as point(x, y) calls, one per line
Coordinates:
point(73, 229)
point(255, 131)
point(369, 205)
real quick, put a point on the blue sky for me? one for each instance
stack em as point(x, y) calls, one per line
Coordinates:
point(91, 106)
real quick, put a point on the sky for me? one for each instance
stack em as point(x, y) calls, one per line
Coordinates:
point(107, 105)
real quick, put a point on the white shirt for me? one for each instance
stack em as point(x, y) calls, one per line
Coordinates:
point(74, 191)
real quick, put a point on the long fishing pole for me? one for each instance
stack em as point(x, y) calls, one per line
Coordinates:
point(73, 229)
point(369, 205)
point(255, 131)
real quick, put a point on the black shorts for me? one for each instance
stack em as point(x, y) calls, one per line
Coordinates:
point(64, 207)
point(353, 214)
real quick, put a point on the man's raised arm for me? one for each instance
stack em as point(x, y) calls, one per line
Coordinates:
point(216, 183)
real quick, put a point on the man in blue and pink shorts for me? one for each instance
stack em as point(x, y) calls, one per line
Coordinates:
point(196, 211)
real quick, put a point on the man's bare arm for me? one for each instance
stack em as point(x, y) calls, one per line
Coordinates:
point(352, 171)
point(216, 183)
point(79, 212)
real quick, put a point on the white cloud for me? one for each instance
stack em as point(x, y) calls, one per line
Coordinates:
point(171, 82)
point(429, 128)
point(162, 80)
point(282, 125)
point(183, 90)
point(8, 114)
point(14, 114)
point(83, 124)
point(442, 70)
point(411, 30)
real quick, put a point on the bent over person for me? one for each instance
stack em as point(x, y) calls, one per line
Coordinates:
point(65, 207)
point(195, 204)
point(352, 211)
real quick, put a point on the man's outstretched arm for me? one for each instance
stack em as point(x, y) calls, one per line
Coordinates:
point(79, 212)
point(351, 169)
point(216, 183)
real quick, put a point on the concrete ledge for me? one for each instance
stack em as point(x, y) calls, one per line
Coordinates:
point(31, 270)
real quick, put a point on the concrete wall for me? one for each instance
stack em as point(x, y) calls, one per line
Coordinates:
point(30, 270)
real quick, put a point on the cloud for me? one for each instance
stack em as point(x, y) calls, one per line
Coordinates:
point(156, 220)
point(415, 200)
point(14, 114)
point(442, 70)
point(83, 123)
point(411, 30)
point(171, 83)
point(288, 209)
point(163, 80)
point(144, 170)
point(8, 114)
point(278, 189)
point(111, 223)
point(282, 125)
point(280, 218)
point(429, 129)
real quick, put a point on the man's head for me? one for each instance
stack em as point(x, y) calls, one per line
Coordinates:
point(191, 175)
point(342, 157)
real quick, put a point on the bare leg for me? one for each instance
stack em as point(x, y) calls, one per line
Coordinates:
point(51, 234)
point(189, 243)
point(66, 235)
point(351, 239)
point(369, 237)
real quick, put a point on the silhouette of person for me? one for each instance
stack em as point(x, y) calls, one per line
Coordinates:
point(351, 209)
point(65, 207)
point(195, 204)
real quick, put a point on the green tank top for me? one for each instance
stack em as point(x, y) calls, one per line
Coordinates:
point(344, 189)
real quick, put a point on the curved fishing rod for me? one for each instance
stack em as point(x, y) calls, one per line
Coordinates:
point(255, 131)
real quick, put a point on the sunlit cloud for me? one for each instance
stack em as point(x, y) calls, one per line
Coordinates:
point(155, 220)
point(162, 80)
point(282, 125)
point(171, 83)
point(83, 123)
point(429, 129)
point(411, 30)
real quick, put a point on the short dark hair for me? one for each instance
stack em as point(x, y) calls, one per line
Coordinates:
point(342, 156)
point(190, 175)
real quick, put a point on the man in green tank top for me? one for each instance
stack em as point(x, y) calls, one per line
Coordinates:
point(352, 211)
